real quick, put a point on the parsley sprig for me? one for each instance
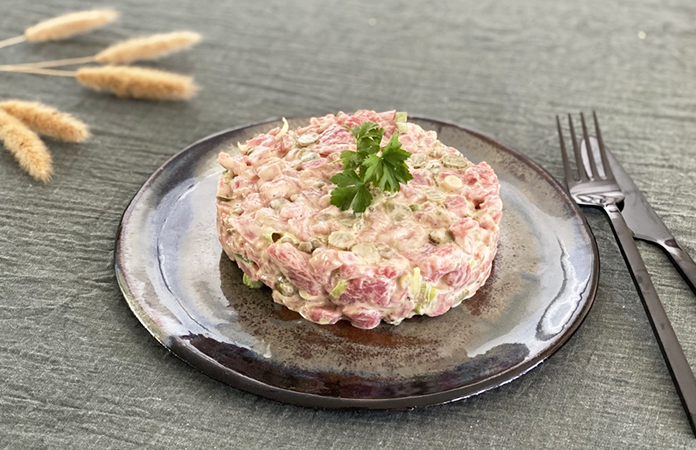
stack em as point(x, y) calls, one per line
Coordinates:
point(365, 167)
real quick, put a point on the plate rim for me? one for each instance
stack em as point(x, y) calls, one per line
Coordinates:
point(205, 364)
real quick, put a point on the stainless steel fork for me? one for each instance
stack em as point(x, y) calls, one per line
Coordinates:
point(588, 187)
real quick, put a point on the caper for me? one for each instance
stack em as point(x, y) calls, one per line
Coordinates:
point(440, 236)
point(305, 247)
point(318, 242)
point(285, 287)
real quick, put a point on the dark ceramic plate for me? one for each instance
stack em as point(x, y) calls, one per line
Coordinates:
point(189, 296)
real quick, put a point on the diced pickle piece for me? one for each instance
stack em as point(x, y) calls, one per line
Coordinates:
point(397, 211)
point(306, 157)
point(307, 139)
point(318, 242)
point(456, 161)
point(305, 247)
point(368, 252)
point(436, 196)
point(289, 238)
point(417, 160)
point(440, 236)
point(385, 250)
point(285, 287)
point(277, 203)
point(342, 239)
point(434, 166)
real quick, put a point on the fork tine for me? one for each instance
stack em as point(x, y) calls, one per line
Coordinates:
point(576, 149)
point(608, 174)
point(590, 154)
point(570, 175)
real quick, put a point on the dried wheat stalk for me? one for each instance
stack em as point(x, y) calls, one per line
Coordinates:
point(47, 120)
point(138, 82)
point(26, 146)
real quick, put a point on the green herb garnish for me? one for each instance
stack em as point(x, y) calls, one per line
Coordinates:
point(386, 170)
point(251, 283)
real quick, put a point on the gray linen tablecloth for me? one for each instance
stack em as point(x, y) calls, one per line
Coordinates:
point(77, 370)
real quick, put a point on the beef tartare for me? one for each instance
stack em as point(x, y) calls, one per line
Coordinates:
point(419, 251)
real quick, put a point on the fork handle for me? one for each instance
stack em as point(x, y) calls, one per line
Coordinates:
point(686, 265)
point(672, 351)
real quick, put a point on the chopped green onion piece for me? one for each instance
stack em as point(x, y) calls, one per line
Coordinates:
point(415, 282)
point(271, 235)
point(400, 118)
point(428, 292)
point(339, 289)
point(251, 283)
point(242, 258)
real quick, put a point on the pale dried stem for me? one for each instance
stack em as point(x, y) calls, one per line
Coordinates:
point(54, 63)
point(128, 51)
point(12, 41)
point(55, 73)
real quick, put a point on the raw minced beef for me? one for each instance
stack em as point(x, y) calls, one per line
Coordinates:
point(418, 251)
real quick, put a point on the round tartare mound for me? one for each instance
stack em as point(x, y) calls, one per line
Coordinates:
point(419, 251)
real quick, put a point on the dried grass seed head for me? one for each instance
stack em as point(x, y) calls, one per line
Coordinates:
point(27, 147)
point(138, 82)
point(47, 120)
point(147, 47)
point(70, 24)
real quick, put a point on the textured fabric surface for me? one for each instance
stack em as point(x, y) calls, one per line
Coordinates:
point(77, 370)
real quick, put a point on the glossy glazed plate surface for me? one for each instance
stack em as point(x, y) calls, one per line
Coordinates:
point(190, 296)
